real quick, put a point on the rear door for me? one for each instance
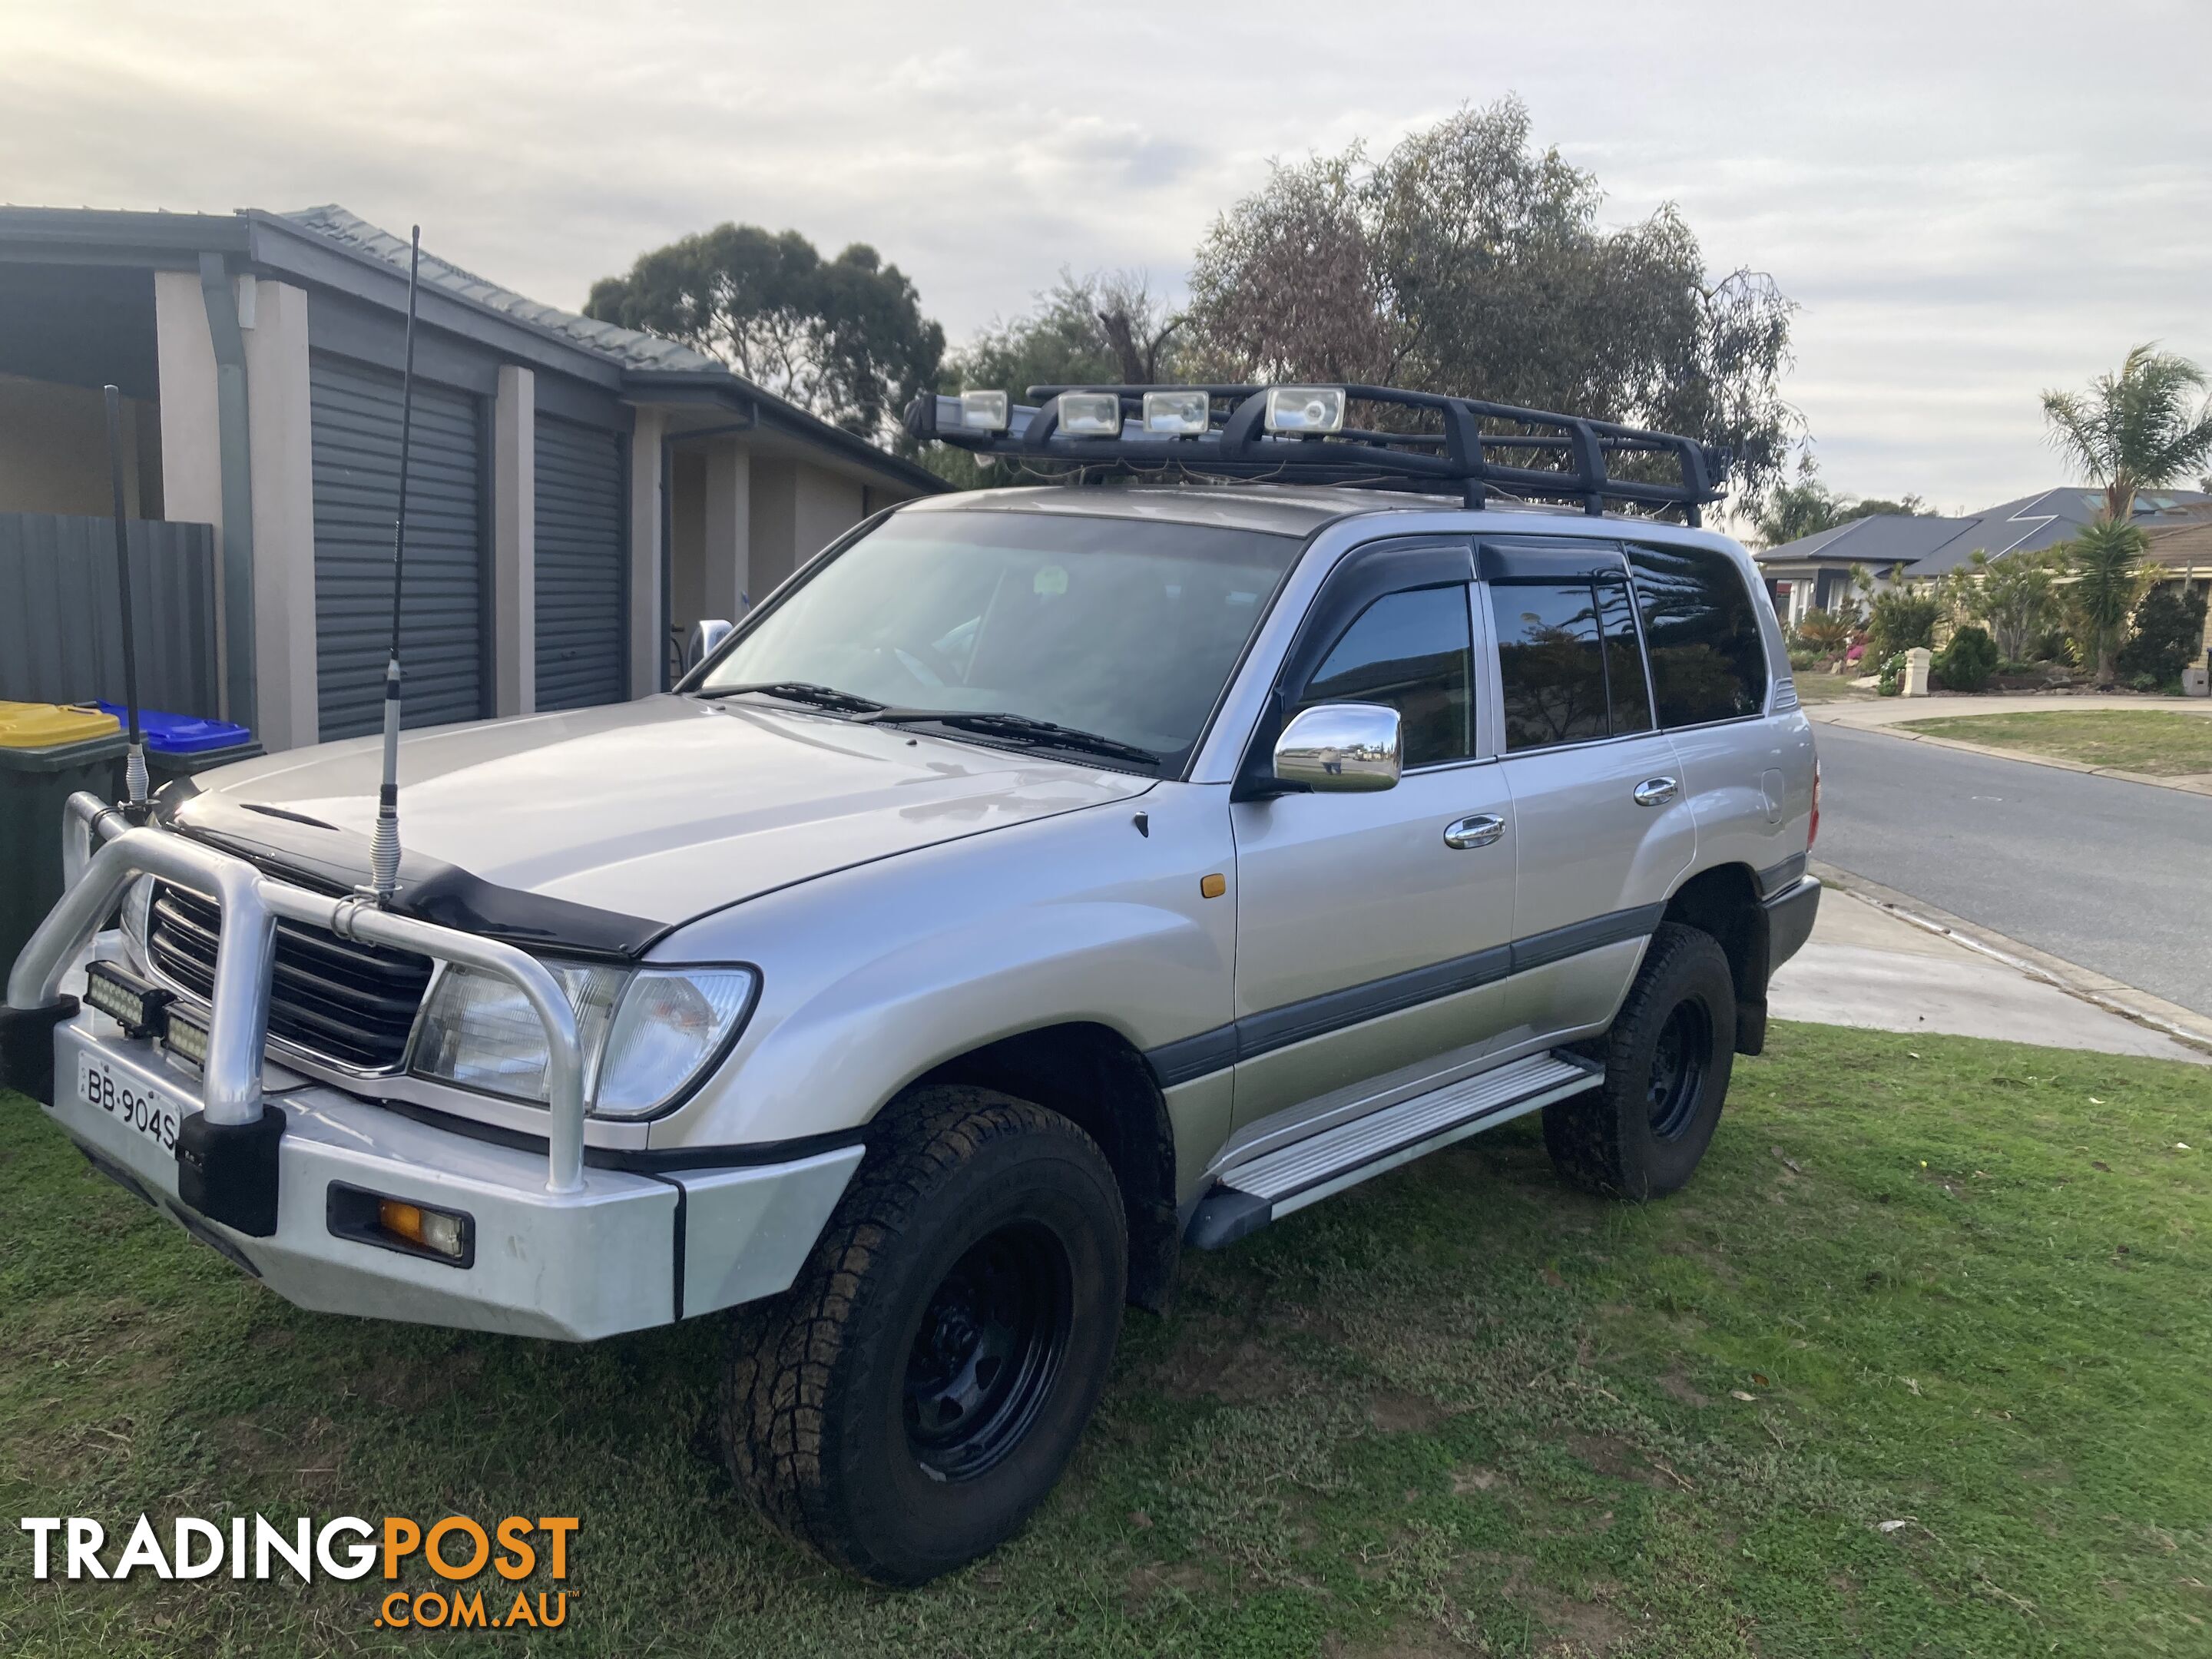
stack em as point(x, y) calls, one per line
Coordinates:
point(1603, 823)
point(1365, 942)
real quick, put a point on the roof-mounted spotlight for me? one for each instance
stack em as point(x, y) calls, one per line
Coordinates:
point(1178, 414)
point(1090, 414)
point(986, 411)
point(1305, 409)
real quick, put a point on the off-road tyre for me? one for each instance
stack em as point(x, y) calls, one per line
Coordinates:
point(817, 1423)
point(1632, 1138)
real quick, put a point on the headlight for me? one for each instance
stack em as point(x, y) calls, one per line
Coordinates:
point(645, 1033)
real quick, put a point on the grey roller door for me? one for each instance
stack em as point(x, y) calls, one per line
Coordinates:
point(356, 481)
point(582, 617)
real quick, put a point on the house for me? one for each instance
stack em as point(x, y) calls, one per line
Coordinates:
point(1814, 572)
point(578, 493)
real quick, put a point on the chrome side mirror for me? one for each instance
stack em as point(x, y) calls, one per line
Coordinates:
point(705, 636)
point(1341, 747)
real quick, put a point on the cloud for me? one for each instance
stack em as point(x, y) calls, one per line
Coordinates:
point(1966, 211)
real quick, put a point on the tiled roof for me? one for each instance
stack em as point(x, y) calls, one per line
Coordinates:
point(630, 347)
point(1928, 546)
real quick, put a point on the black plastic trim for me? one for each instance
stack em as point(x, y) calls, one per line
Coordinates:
point(1188, 1058)
point(27, 1048)
point(1777, 876)
point(1789, 917)
point(1574, 562)
point(637, 1160)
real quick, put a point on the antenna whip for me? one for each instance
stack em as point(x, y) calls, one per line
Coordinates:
point(383, 848)
point(134, 768)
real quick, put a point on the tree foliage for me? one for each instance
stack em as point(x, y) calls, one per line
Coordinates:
point(2108, 579)
point(2141, 428)
point(2168, 636)
point(1900, 619)
point(2015, 597)
point(1968, 661)
point(844, 339)
point(1467, 261)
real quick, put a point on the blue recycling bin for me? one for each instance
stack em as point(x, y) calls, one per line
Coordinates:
point(179, 745)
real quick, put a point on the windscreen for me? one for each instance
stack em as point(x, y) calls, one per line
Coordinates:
point(1119, 626)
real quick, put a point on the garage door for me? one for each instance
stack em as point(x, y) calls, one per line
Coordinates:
point(582, 617)
point(356, 481)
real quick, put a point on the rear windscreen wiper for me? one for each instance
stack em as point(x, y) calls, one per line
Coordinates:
point(1019, 727)
point(806, 692)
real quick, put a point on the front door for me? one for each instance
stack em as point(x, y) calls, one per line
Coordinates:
point(1367, 942)
point(1605, 828)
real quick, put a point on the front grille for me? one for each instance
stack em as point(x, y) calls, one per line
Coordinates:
point(351, 1004)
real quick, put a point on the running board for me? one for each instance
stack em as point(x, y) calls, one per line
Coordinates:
point(1247, 1196)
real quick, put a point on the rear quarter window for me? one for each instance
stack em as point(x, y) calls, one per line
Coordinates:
point(1701, 631)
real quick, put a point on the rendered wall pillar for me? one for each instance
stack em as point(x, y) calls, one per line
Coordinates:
point(191, 439)
point(279, 428)
point(648, 651)
point(727, 540)
point(514, 542)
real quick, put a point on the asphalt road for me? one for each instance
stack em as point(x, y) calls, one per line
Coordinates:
point(2116, 876)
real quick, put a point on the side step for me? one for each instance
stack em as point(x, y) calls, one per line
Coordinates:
point(1247, 1196)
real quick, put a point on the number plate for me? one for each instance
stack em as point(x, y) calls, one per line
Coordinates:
point(151, 1112)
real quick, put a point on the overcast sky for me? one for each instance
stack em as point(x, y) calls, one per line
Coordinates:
point(1970, 202)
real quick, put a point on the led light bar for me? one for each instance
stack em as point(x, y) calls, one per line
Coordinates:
point(1090, 414)
point(1303, 409)
point(1178, 414)
point(986, 411)
point(129, 1002)
point(186, 1035)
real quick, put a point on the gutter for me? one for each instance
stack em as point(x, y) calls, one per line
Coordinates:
point(233, 438)
point(723, 387)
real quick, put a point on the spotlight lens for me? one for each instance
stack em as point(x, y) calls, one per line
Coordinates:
point(1306, 409)
point(1090, 414)
point(986, 411)
point(1177, 414)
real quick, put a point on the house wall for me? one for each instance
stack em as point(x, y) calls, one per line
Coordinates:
point(53, 451)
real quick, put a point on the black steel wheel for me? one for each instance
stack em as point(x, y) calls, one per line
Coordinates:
point(990, 1346)
point(1668, 1060)
point(915, 1394)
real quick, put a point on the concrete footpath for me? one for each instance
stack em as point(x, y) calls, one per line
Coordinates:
point(1866, 966)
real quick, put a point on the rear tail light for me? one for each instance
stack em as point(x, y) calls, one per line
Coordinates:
point(1812, 834)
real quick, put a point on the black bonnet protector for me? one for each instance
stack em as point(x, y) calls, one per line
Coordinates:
point(294, 847)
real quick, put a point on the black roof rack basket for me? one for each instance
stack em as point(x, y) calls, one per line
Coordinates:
point(1544, 457)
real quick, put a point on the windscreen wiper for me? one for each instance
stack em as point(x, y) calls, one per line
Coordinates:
point(1021, 728)
point(806, 692)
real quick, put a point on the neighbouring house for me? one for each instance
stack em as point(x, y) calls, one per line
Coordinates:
point(1814, 573)
point(578, 493)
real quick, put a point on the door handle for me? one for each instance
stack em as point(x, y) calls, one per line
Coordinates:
point(1656, 792)
point(1479, 831)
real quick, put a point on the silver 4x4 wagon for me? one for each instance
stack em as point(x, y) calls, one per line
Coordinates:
point(1041, 879)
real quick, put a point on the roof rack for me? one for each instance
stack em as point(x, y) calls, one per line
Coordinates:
point(1298, 434)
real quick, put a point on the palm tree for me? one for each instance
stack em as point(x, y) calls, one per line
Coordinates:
point(2136, 429)
point(2108, 580)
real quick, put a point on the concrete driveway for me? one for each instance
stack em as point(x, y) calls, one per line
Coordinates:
point(1863, 966)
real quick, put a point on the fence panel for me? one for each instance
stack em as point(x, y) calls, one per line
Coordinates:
point(60, 624)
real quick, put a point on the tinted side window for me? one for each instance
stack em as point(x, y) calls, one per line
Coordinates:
point(1702, 630)
point(1549, 658)
point(1624, 660)
point(1414, 651)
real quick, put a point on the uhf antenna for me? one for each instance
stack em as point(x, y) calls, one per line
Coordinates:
point(383, 848)
point(134, 768)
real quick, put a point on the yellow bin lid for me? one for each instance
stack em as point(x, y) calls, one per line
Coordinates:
point(50, 725)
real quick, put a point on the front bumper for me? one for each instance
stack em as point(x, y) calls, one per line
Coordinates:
point(623, 1252)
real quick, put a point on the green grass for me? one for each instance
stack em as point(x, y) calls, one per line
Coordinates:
point(2160, 742)
point(1967, 1287)
point(1816, 687)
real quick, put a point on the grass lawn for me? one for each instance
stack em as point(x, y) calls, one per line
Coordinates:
point(1918, 1366)
point(2162, 742)
point(1816, 687)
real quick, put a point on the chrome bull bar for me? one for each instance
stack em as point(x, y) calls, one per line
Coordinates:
point(102, 853)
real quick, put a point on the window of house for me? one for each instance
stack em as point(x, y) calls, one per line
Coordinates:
point(1414, 651)
point(1701, 628)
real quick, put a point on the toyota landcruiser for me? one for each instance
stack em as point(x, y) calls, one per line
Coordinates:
point(1041, 880)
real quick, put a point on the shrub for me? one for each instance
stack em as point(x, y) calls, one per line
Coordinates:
point(2169, 631)
point(1967, 662)
point(1825, 634)
point(1900, 619)
point(1803, 657)
point(1891, 682)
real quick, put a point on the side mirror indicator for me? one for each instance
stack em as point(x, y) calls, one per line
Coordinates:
point(1341, 748)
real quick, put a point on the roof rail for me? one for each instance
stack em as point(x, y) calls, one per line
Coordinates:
point(1298, 434)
